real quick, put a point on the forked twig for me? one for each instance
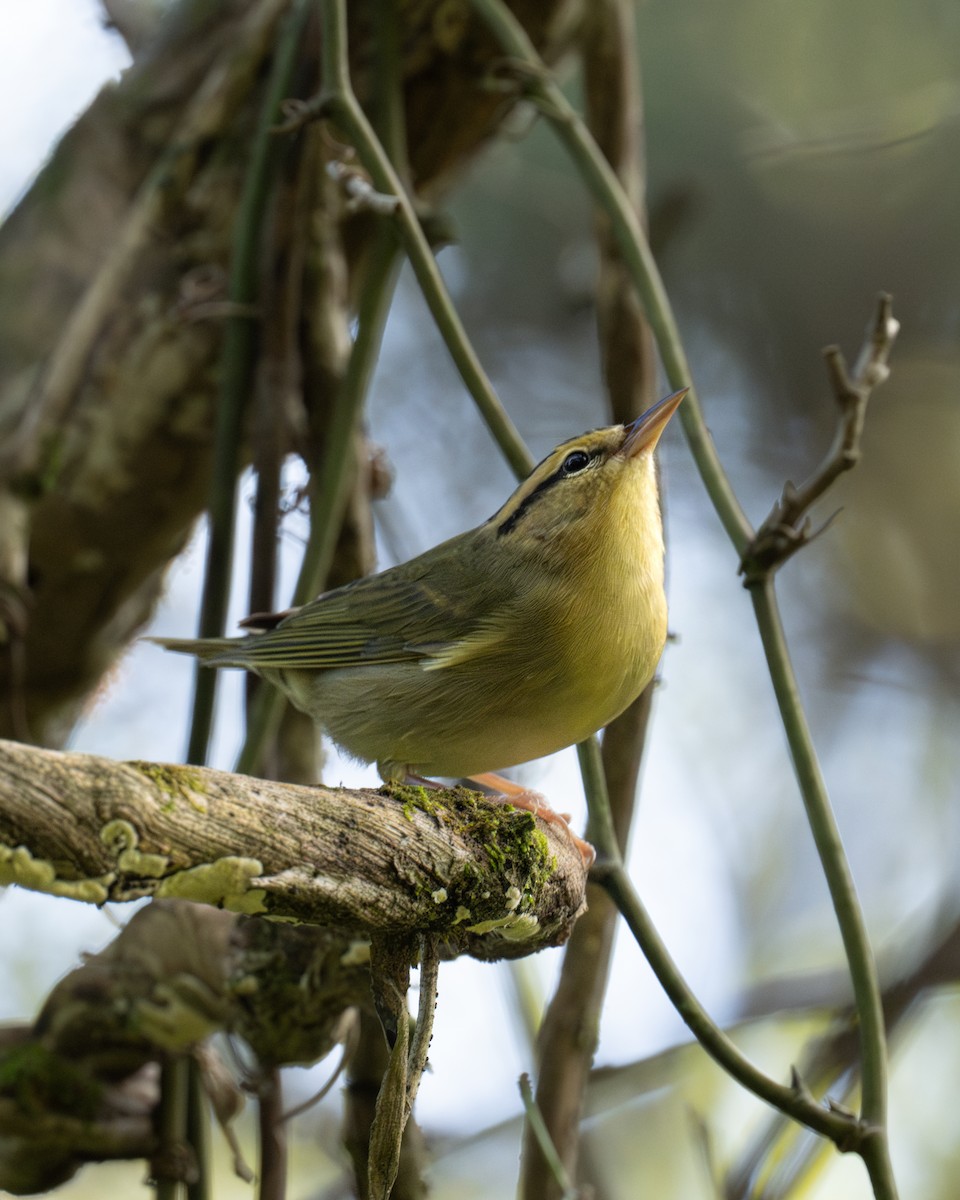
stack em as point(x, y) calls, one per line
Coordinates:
point(788, 527)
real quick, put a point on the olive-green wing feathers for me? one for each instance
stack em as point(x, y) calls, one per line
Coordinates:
point(389, 618)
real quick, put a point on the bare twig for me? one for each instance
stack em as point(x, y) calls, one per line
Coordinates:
point(787, 529)
point(360, 192)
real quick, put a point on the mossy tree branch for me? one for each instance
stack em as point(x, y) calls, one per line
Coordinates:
point(489, 880)
point(76, 1084)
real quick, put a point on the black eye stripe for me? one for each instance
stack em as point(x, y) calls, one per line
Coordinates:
point(562, 472)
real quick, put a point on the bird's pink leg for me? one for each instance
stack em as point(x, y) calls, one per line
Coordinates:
point(509, 792)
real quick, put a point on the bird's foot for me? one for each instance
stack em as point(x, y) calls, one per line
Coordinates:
point(508, 792)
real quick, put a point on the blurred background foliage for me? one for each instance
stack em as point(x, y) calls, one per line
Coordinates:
point(801, 158)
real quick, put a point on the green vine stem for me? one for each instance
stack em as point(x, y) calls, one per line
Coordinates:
point(845, 1131)
point(338, 102)
point(538, 84)
point(326, 511)
point(843, 893)
point(239, 350)
point(603, 185)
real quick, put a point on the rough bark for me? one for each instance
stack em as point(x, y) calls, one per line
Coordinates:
point(82, 1082)
point(491, 880)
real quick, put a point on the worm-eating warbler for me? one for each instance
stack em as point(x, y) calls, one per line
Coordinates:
point(505, 643)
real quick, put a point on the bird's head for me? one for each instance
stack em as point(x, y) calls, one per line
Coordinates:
point(589, 488)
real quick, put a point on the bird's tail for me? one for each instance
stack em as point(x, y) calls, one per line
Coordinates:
point(218, 652)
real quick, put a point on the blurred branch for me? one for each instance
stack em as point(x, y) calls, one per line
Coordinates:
point(787, 529)
point(537, 1128)
point(198, 1127)
point(237, 368)
point(272, 1136)
point(337, 102)
point(333, 482)
point(136, 21)
point(332, 488)
point(80, 1084)
point(845, 1131)
point(614, 115)
point(171, 1164)
point(276, 417)
point(94, 263)
point(389, 110)
point(165, 183)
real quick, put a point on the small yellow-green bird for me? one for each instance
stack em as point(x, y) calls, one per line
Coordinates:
point(503, 644)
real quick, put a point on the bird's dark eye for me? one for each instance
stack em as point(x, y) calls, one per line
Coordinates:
point(575, 461)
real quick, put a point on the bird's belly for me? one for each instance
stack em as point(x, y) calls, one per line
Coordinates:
point(430, 723)
point(467, 719)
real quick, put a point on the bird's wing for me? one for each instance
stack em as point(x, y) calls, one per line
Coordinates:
point(389, 618)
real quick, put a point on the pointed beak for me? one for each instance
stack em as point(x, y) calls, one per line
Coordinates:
point(644, 432)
